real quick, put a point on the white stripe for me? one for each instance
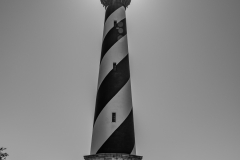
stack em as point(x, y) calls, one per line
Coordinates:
point(117, 15)
point(121, 104)
point(134, 150)
point(115, 54)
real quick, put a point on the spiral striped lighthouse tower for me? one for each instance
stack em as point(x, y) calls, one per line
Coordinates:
point(113, 128)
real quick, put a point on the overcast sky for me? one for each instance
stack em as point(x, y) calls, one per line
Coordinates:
point(185, 74)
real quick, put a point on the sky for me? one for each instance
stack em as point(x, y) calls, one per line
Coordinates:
point(185, 75)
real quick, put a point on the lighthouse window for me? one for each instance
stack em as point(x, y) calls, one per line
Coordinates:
point(115, 23)
point(113, 117)
point(114, 66)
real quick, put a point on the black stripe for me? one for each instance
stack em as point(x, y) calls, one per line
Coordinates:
point(122, 140)
point(111, 9)
point(111, 85)
point(112, 37)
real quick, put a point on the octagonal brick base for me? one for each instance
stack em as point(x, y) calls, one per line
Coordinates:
point(112, 156)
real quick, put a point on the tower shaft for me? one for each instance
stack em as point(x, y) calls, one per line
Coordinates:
point(113, 126)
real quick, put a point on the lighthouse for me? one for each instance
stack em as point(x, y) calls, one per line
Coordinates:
point(113, 135)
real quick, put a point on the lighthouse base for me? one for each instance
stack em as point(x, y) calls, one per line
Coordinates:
point(112, 156)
